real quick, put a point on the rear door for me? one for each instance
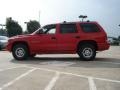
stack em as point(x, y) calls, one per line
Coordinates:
point(68, 37)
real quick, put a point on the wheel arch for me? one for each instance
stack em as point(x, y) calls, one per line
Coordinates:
point(88, 42)
point(20, 42)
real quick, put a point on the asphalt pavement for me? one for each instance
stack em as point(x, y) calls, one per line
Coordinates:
point(61, 72)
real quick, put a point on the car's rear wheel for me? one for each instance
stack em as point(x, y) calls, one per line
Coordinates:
point(87, 52)
point(20, 52)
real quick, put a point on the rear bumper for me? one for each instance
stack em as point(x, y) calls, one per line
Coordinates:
point(103, 46)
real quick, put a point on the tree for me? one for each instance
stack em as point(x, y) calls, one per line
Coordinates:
point(3, 32)
point(32, 26)
point(119, 38)
point(13, 28)
point(25, 32)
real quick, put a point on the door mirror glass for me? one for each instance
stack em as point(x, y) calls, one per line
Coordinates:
point(41, 31)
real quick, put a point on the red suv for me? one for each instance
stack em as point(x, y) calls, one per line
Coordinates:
point(83, 38)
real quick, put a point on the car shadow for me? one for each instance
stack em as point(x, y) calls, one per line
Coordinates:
point(75, 62)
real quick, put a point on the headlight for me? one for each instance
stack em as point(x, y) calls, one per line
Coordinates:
point(10, 40)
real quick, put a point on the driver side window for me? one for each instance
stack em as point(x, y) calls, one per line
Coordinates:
point(50, 29)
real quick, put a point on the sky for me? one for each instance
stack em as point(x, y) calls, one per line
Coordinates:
point(105, 12)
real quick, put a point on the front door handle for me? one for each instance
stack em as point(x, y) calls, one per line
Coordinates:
point(77, 37)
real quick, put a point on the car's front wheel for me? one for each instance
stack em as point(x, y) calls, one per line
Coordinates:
point(87, 52)
point(20, 52)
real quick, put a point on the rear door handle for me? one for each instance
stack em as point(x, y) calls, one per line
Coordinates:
point(53, 37)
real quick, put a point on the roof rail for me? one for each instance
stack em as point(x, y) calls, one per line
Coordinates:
point(88, 20)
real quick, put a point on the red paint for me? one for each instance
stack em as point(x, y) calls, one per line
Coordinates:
point(62, 43)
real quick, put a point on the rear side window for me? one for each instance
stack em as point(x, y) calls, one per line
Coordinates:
point(68, 28)
point(89, 28)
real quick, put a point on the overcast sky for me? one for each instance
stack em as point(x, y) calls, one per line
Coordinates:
point(106, 12)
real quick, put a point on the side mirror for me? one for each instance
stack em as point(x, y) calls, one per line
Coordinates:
point(40, 31)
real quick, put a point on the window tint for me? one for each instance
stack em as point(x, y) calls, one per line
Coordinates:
point(89, 27)
point(68, 28)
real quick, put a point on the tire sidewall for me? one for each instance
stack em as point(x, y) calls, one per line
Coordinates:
point(80, 52)
point(24, 47)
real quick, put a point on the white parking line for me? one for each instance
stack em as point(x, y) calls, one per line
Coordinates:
point(16, 79)
point(82, 76)
point(109, 62)
point(53, 81)
point(11, 68)
point(92, 84)
point(109, 80)
point(117, 55)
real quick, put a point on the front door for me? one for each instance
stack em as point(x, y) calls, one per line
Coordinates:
point(46, 42)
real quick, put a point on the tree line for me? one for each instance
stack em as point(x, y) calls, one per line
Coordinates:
point(13, 28)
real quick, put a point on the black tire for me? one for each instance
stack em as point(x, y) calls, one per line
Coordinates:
point(87, 52)
point(20, 52)
point(33, 55)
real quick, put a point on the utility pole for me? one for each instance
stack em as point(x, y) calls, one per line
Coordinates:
point(39, 16)
point(26, 25)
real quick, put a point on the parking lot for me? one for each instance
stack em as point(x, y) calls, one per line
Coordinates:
point(61, 72)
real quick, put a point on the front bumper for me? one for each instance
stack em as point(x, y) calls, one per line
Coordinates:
point(8, 47)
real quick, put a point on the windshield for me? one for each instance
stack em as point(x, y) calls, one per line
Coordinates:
point(43, 30)
point(37, 31)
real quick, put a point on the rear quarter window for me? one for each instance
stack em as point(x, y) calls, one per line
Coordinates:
point(89, 28)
